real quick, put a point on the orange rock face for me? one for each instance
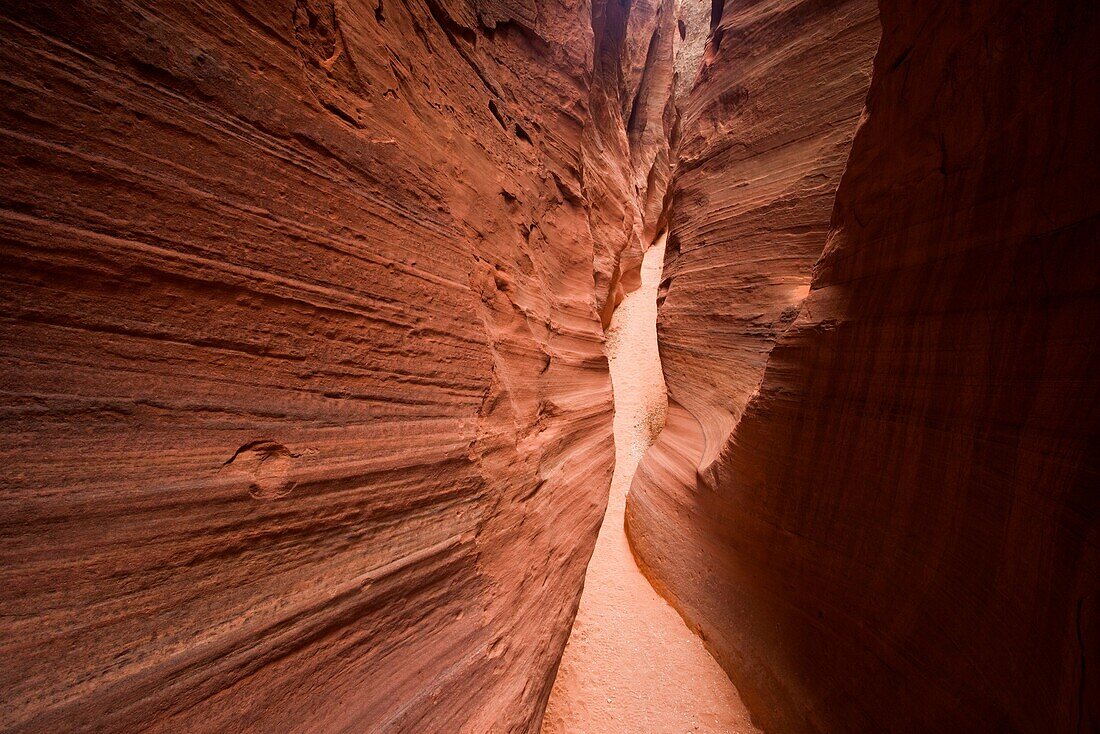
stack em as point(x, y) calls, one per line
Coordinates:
point(888, 521)
point(307, 423)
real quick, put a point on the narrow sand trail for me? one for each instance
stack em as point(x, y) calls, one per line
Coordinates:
point(632, 665)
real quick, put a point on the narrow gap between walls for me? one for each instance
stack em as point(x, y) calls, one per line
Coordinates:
point(632, 664)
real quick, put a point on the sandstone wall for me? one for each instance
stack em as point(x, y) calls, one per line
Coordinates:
point(765, 134)
point(900, 533)
point(633, 115)
point(306, 417)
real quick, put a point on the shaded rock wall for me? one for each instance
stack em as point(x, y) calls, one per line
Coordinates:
point(900, 533)
point(306, 416)
point(627, 139)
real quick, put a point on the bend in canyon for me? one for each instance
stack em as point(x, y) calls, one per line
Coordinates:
point(631, 664)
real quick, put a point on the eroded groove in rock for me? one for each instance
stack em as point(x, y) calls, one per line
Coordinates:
point(306, 417)
point(900, 533)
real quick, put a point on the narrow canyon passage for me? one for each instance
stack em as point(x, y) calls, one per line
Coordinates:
point(631, 664)
point(317, 413)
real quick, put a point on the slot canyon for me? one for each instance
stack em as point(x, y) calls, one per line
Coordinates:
point(562, 366)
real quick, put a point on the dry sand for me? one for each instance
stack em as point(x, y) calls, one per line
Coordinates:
point(632, 665)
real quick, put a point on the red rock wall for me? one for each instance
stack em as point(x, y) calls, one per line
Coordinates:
point(901, 531)
point(306, 417)
point(759, 160)
point(627, 139)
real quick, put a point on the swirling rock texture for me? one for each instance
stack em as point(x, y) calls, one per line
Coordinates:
point(765, 135)
point(306, 419)
point(888, 521)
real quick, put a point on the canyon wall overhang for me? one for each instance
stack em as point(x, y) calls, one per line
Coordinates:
point(306, 417)
point(896, 528)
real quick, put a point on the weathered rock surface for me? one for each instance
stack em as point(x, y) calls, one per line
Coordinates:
point(901, 531)
point(306, 418)
point(765, 135)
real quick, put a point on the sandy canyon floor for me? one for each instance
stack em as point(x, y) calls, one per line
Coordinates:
point(632, 665)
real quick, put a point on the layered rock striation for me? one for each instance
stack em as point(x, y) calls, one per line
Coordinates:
point(307, 420)
point(878, 505)
point(765, 134)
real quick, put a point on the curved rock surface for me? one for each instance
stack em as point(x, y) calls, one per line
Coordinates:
point(765, 135)
point(894, 526)
point(306, 417)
